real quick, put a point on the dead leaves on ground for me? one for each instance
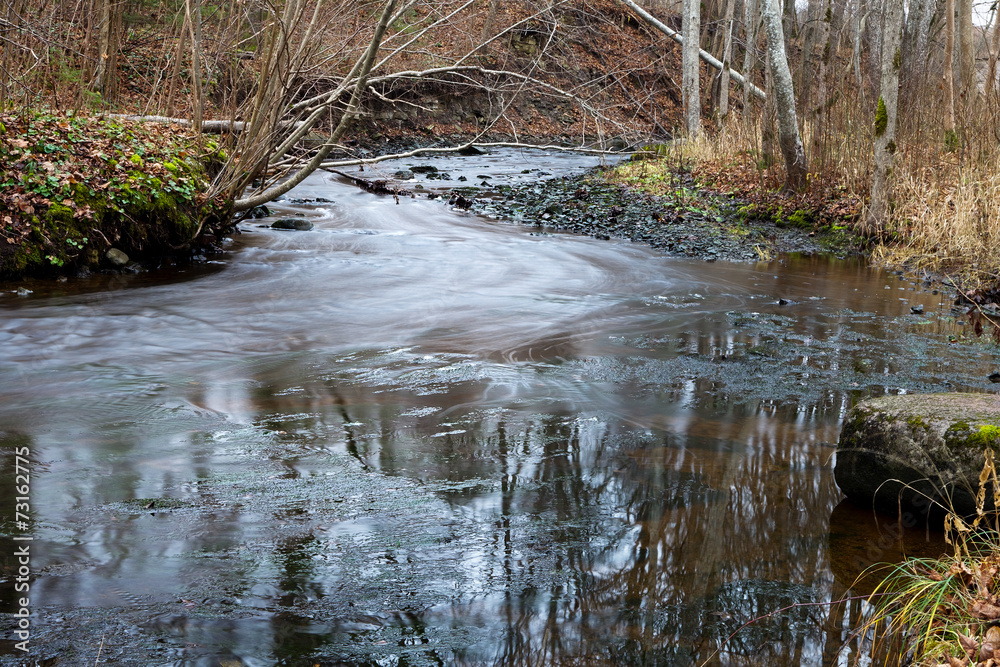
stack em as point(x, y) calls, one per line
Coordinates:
point(51, 159)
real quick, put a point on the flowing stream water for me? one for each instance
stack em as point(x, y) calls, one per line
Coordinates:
point(415, 436)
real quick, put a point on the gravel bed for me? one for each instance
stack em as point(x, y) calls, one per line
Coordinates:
point(587, 204)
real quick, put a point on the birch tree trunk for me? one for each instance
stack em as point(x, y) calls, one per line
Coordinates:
point(949, 66)
point(690, 79)
point(784, 100)
point(885, 117)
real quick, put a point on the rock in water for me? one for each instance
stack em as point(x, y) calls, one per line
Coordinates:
point(116, 257)
point(918, 453)
point(296, 224)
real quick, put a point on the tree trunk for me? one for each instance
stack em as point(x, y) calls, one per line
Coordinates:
point(826, 44)
point(727, 48)
point(175, 70)
point(345, 122)
point(789, 19)
point(193, 10)
point(991, 76)
point(690, 82)
point(967, 54)
point(806, 68)
point(885, 117)
point(751, 18)
point(949, 66)
point(915, 40)
point(108, 42)
point(872, 38)
point(768, 120)
point(784, 100)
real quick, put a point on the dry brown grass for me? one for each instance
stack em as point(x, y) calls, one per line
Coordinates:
point(945, 217)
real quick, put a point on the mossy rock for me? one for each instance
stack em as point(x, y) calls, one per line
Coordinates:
point(918, 454)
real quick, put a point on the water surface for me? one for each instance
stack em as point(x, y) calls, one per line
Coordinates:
point(416, 436)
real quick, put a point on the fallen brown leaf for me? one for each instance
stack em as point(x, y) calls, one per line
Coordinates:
point(969, 644)
point(985, 610)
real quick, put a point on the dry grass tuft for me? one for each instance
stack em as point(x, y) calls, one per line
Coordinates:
point(944, 611)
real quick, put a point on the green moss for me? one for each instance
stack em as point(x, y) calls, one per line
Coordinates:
point(59, 213)
point(963, 434)
point(951, 141)
point(881, 118)
point(802, 219)
point(988, 434)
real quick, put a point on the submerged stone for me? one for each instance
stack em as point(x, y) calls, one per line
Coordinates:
point(294, 224)
point(919, 454)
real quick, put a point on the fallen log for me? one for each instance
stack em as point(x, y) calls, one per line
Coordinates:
point(705, 55)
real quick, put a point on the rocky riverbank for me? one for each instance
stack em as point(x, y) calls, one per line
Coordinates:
point(692, 225)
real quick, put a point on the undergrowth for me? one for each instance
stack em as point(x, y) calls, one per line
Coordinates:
point(74, 186)
point(944, 611)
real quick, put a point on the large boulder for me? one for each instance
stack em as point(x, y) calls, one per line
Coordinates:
point(918, 453)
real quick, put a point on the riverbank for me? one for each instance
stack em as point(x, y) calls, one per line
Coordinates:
point(81, 193)
point(680, 221)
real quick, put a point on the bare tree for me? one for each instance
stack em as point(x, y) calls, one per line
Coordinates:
point(885, 117)
point(784, 97)
point(690, 85)
point(727, 49)
point(991, 74)
point(967, 53)
point(258, 142)
point(949, 66)
point(110, 23)
point(915, 43)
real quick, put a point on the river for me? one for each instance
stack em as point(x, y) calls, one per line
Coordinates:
point(416, 436)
